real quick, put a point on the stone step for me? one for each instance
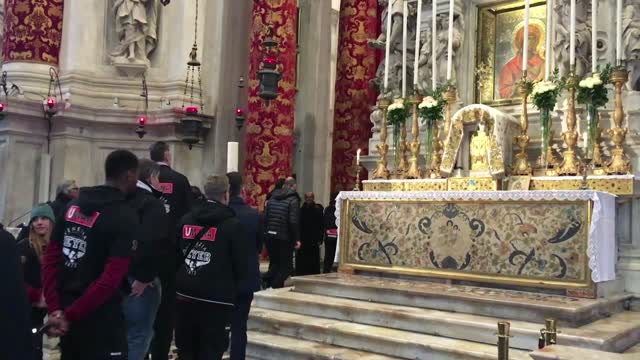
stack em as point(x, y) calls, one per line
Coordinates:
point(616, 333)
point(380, 340)
point(559, 352)
point(262, 346)
point(509, 304)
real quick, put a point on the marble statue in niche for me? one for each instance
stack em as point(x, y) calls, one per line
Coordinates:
point(136, 25)
point(442, 43)
point(424, 62)
point(583, 37)
point(631, 42)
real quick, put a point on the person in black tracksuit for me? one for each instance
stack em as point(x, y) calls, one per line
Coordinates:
point(143, 286)
point(282, 227)
point(15, 327)
point(178, 200)
point(86, 263)
point(215, 263)
point(31, 249)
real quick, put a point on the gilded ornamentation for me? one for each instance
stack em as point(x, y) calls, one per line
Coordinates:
point(405, 185)
point(617, 185)
point(472, 184)
point(570, 165)
point(481, 239)
point(32, 31)
point(619, 163)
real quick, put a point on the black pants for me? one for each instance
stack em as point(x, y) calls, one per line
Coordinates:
point(308, 260)
point(201, 332)
point(100, 336)
point(281, 260)
point(270, 243)
point(165, 319)
point(329, 253)
point(239, 326)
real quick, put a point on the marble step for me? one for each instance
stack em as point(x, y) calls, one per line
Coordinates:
point(559, 352)
point(380, 340)
point(263, 346)
point(616, 333)
point(509, 304)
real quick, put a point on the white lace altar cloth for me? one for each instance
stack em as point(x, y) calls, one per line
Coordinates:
point(602, 231)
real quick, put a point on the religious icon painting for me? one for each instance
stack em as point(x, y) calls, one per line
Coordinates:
point(499, 50)
point(519, 183)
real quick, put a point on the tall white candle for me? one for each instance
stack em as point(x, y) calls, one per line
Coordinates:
point(450, 45)
point(434, 37)
point(618, 32)
point(416, 68)
point(572, 34)
point(525, 39)
point(232, 156)
point(405, 16)
point(387, 51)
point(358, 157)
point(547, 41)
point(594, 36)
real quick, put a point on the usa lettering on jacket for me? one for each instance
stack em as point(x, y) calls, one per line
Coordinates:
point(74, 244)
point(189, 232)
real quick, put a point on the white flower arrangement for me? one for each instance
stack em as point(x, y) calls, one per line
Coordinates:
point(542, 87)
point(397, 104)
point(591, 81)
point(428, 102)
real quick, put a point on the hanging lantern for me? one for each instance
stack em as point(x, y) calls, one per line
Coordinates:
point(239, 118)
point(269, 75)
point(142, 119)
point(191, 121)
point(140, 130)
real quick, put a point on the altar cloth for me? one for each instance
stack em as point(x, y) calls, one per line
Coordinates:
point(601, 245)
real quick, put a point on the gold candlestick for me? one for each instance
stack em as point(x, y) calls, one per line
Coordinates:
point(414, 169)
point(619, 163)
point(570, 165)
point(450, 96)
point(401, 170)
point(521, 165)
point(382, 172)
point(436, 153)
point(598, 163)
point(357, 186)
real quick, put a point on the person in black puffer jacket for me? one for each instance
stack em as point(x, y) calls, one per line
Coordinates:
point(215, 264)
point(282, 226)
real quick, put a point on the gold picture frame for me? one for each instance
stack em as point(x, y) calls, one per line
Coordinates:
point(519, 183)
point(499, 53)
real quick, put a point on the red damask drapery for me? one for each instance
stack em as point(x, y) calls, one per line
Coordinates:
point(269, 129)
point(355, 95)
point(32, 31)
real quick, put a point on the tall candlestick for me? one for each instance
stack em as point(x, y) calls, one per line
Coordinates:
point(618, 32)
point(232, 156)
point(547, 41)
point(525, 39)
point(594, 36)
point(416, 59)
point(387, 51)
point(572, 35)
point(434, 33)
point(450, 45)
point(405, 16)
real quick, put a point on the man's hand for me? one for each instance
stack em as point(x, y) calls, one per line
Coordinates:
point(138, 287)
point(297, 245)
point(58, 325)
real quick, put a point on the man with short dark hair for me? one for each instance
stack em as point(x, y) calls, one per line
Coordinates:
point(143, 285)
point(177, 192)
point(282, 226)
point(86, 262)
point(252, 222)
point(215, 263)
point(312, 234)
point(331, 234)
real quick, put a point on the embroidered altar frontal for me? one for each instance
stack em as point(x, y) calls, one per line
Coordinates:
point(535, 242)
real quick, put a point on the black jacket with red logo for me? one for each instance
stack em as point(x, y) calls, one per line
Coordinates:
point(89, 253)
point(215, 265)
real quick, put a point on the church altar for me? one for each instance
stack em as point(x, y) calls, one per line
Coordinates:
point(541, 239)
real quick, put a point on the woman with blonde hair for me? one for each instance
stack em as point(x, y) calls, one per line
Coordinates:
point(31, 249)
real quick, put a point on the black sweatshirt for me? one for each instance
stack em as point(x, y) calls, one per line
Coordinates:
point(152, 233)
point(215, 266)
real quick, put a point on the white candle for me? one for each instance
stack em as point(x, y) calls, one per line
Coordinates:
point(450, 45)
point(416, 68)
point(358, 157)
point(618, 32)
point(572, 35)
point(405, 16)
point(547, 41)
point(525, 40)
point(584, 140)
point(232, 156)
point(387, 51)
point(434, 38)
point(594, 36)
